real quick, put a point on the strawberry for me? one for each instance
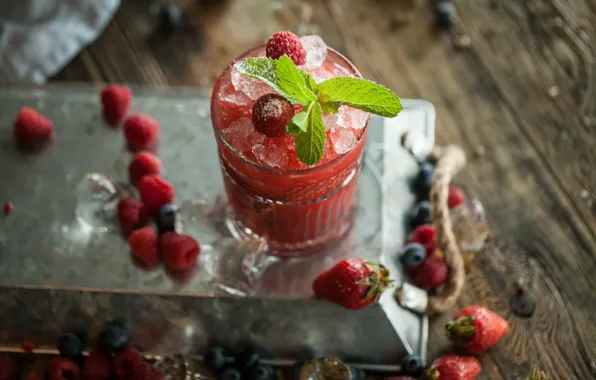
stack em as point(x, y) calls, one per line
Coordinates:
point(31, 128)
point(115, 101)
point(456, 197)
point(476, 328)
point(270, 115)
point(430, 274)
point(352, 283)
point(286, 43)
point(454, 367)
point(425, 235)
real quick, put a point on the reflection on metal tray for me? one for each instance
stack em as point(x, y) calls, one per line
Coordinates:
point(63, 264)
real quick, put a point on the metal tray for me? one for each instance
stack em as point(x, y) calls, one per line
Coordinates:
point(64, 266)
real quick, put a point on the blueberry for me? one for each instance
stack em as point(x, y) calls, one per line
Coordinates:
point(413, 255)
point(70, 346)
point(114, 337)
point(423, 181)
point(262, 372)
point(421, 214)
point(171, 18)
point(357, 374)
point(166, 218)
point(216, 358)
point(247, 360)
point(412, 365)
point(445, 14)
point(230, 373)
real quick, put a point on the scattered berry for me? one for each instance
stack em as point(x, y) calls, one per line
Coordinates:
point(126, 361)
point(32, 128)
point(230, 373)
point(476, 328)
point(424, 180)
point(413, 255)
point(60, 368)
point(456, 197)
point(146, 372)
point(412, 365)
point(143, 246)
point(425, 235)
point(141, 131)
point(7, 368)
point(216, 358)
point(271, 114)
point(35, 375)
point(144, 163)
point(116, 101)
point(521, 303)
point(445, 14)
point(430, 274)
point(131, 214)
point(263, 372)
point(421, 214)
point(28, 346)
point(155, 193)
point(171, 18)
point(7, 208)
point(352, 283)
point(98, 365)
point(179, 251)
point(114, 337)
point(70, 346)
point(166, 219)
point(286, 43)
point(454, 367)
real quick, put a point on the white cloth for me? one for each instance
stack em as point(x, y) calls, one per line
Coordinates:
point(39, 37)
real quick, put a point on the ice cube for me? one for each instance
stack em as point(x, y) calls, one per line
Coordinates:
point(316, 50)
point(351, 118)
point(250, 87)
point(272, 153)
point(330, 121)
point(469, 225)
point(230, 95)
point(343, 140)
point(242, 135)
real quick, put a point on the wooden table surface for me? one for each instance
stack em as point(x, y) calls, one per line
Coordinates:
point(524, 93)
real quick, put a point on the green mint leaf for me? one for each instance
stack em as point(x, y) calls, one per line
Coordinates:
point(359, 93)
point(299, 122)
point(310, 82)
point(291, 81)
point(330, 107)
point(310, 145)
point(263, 69)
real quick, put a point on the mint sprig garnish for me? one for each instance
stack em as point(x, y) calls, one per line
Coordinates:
point(299, 87)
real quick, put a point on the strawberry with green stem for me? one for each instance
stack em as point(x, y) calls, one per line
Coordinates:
point(352, 283)
point(537, 375)
point(476, 328)
point(454, 367)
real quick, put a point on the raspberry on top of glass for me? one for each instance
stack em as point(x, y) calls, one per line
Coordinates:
point(290, 107)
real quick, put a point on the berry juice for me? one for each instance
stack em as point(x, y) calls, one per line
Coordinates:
point(298, 209)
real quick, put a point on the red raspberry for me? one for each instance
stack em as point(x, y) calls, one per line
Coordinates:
point(179, 251)
point(98, 366)
point(456, 197)
point(7, 368)
point(61, 368)
point(131, 214)
point(35, 375)
point(116, 102)
point(270, 115)
point(28, 346)
point(425, 235)
point(7, 208)
point(140, 131)
point(32, 128)
point(155, 193)
point(146, 372)
point(144, 163)
point(286, 43)
point(125, 362)
point(143, 246)
point(430, 274)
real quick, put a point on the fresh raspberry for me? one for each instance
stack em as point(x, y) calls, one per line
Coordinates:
point(140, 131)
point(430, 274)
point(286, 43)
point(116, 102)
point(155, 193)
point(425, 235)
point(179, 251)
point(131, 214)
point(7, 368)
point(144, 163)
point(28, 346)
point(271, 114)
point(143, 246)
point(35, 375)
point(61, 368)
point(32, 128)
point(456, 197)
point(7, 208)
point(145, 372)
point(98, 366)
point(125, 362)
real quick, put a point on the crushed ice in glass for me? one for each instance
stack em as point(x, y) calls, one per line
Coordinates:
point(252, 88)
point(343, 140)
point(271, 154)
point(242, 135)
point(469, 225)
point(316, 50)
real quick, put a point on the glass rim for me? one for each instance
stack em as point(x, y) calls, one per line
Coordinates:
point(309, 169)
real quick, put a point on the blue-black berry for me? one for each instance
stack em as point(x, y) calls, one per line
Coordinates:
point(216, 358)
point(357, 374)
point(166, 218)
point(247, 360)
point(421, 214)
point(423, 181)
point(445, 14)
point(171, 18)
point(114, 337)
point(262, 372)
point(413, 255)
point(230, 373)
point(70, 346)
point(412, 365)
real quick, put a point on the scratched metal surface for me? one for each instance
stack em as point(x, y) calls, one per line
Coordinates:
point(58, 271)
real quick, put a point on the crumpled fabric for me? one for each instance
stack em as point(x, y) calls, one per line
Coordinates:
point(39, 37)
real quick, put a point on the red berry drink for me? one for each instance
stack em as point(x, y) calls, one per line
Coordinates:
point(298, 208)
